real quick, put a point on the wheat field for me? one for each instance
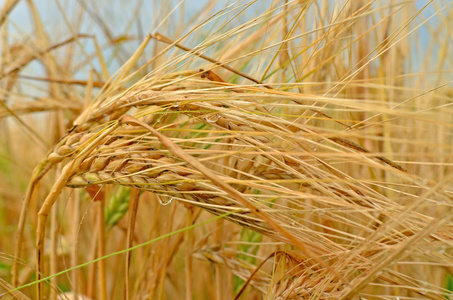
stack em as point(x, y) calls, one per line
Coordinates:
point(291, 149)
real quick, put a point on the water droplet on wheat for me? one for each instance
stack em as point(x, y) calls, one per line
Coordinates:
point(212, 118)
point(165, 201)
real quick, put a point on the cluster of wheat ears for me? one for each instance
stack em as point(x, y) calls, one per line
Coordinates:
point(325, 169)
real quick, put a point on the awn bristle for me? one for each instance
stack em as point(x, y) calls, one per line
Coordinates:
point(296, 173)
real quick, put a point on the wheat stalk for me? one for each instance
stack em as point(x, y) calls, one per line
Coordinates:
point(284, 161)
point(319, 158)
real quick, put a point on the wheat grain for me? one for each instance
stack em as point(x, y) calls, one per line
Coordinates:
point(311, 160)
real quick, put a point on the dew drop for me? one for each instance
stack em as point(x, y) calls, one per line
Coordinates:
point(212, 118)
point(176, 104)
point(165, 201)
